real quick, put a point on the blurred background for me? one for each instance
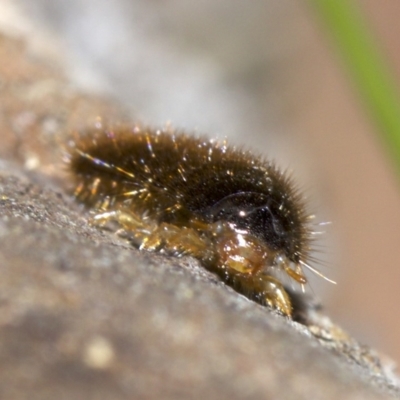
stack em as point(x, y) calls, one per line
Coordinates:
point(266, 75)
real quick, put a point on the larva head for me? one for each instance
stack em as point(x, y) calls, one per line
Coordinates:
point(276, 219)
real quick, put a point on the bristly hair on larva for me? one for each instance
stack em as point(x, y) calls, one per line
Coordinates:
point(240, 215)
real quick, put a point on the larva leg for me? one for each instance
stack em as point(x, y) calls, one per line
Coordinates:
point(265, 289)
point(275, 295)
point(243, 263)
point(130, 222)
point(165, 237)
point(177, 241)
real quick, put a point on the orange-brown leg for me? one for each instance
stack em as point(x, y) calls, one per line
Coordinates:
point(178, 241)
point(275, 295)
point(164, 237)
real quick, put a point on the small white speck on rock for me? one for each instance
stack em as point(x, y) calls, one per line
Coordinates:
point(98, 353)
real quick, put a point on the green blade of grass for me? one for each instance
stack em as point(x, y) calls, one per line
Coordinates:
point(369, 71)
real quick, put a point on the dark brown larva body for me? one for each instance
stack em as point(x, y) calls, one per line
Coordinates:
point(236, 213)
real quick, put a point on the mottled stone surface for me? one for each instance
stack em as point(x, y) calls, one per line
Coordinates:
point(84, 315)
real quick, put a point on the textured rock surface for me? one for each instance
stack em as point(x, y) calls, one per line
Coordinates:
point(83, 315)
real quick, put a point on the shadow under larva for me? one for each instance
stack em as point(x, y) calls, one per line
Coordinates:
point(237, 213)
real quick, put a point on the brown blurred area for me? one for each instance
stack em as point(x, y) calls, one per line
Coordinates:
point(362, 189)
point(274, 83)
